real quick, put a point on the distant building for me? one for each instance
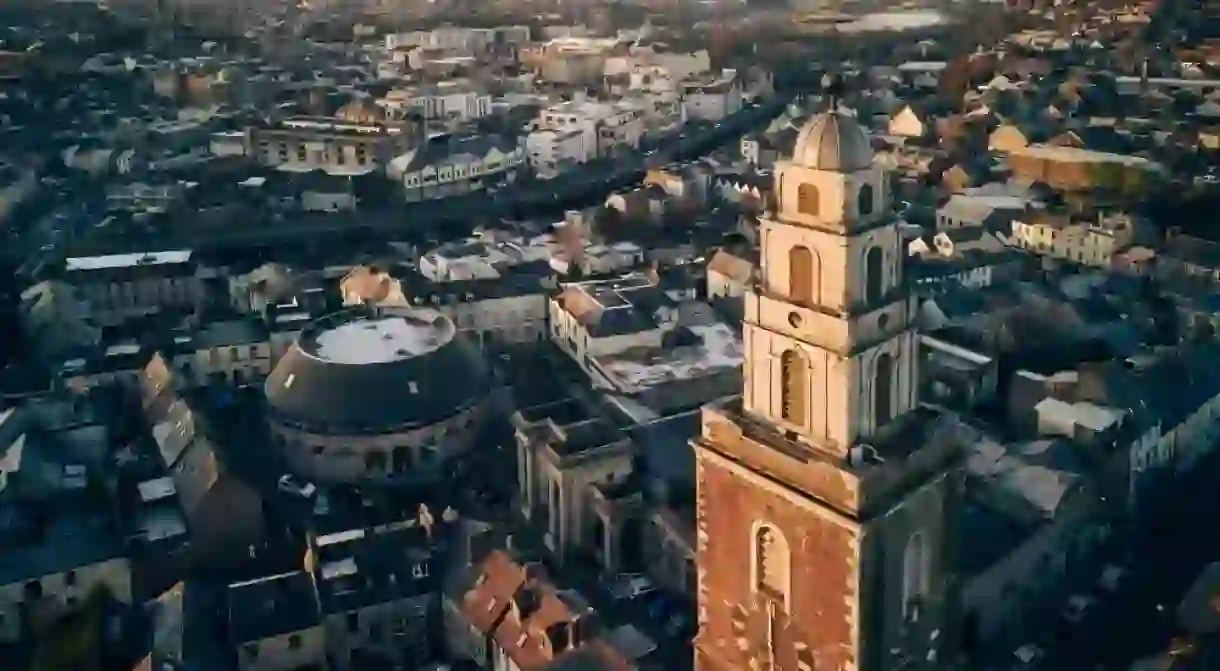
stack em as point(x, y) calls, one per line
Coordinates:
point(450, 165)
point(275, 624)
point(377, 595)
point(121, 286)
point(358, 140)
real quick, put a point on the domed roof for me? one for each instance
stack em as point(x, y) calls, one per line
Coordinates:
point(833, 141)
point(366, 371)
point(361, 110)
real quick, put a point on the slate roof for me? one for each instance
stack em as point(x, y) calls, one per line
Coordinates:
point(314, 393)
point(272, 606)
point(356, 569)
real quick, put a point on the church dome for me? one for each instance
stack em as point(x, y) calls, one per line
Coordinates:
point(833, 141)
point(361, 110)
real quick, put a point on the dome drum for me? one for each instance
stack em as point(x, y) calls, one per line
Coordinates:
point(376, 393)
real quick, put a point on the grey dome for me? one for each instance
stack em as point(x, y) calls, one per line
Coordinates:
point(833, 141)
point(343, 376)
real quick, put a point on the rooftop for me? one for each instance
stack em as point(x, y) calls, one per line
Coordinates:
point(271, 606)
point(127, 260)
point(1077, 155)
point(67, 541)
point(382, 340)
point(358, 568)
point(719, 349)
point(368, 371)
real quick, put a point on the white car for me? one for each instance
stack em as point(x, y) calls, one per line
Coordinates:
point(290, 485)
point(631, 586)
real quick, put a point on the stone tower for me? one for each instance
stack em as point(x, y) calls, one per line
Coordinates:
point(825, 492)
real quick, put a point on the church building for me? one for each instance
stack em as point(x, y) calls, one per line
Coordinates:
point(826, 490)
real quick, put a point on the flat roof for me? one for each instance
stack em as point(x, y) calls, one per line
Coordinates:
point(721, 348)
point(382, 339)
point(127, 260)
point(1076, 155)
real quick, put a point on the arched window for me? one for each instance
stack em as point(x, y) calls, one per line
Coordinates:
point(808, 200)
point(864, 200)
point(802, 274)
point(915, 575)
point(792, 387)
point(883, 389)
point(874, 275)
point(772, 563)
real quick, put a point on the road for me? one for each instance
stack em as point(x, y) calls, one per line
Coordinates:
point(1165, 559)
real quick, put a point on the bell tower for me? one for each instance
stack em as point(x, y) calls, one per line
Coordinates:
point(830, 353)
point(827, 479)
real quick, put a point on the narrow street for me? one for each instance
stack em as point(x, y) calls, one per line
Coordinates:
point(1139, 620)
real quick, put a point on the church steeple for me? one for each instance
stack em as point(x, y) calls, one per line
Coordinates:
point(823, 540)
point(830, 358)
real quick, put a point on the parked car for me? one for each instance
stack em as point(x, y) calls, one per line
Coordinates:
point(631, 586)
point(289, 484)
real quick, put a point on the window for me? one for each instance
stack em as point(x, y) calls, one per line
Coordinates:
point(353, 621)
point(294, 642)
point(375, 461)
point(808, 200)
point(301, 152)
point(874, 275)
point(32, 590)
point(883, 389)
point(914, 575)
point(802, 275)
point(70, 578)
point(864, 200)
point(792, 387)
point(771, 563)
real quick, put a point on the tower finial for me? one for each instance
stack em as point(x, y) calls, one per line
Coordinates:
point(833, 89)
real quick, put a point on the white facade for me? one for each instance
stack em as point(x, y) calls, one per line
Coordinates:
point(457, 173)
point(447, 100)
point(604, 126)
point(550, 150)
point(714, 100)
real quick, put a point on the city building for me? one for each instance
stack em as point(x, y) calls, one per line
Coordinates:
point(377, 595)
point(357, 140)
point(449, 165)
point(826, 492)
point(602, 127)
point(117, 287)
point(713, 98)
point(385, 394)
point(445, 100)
point(275, 623)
